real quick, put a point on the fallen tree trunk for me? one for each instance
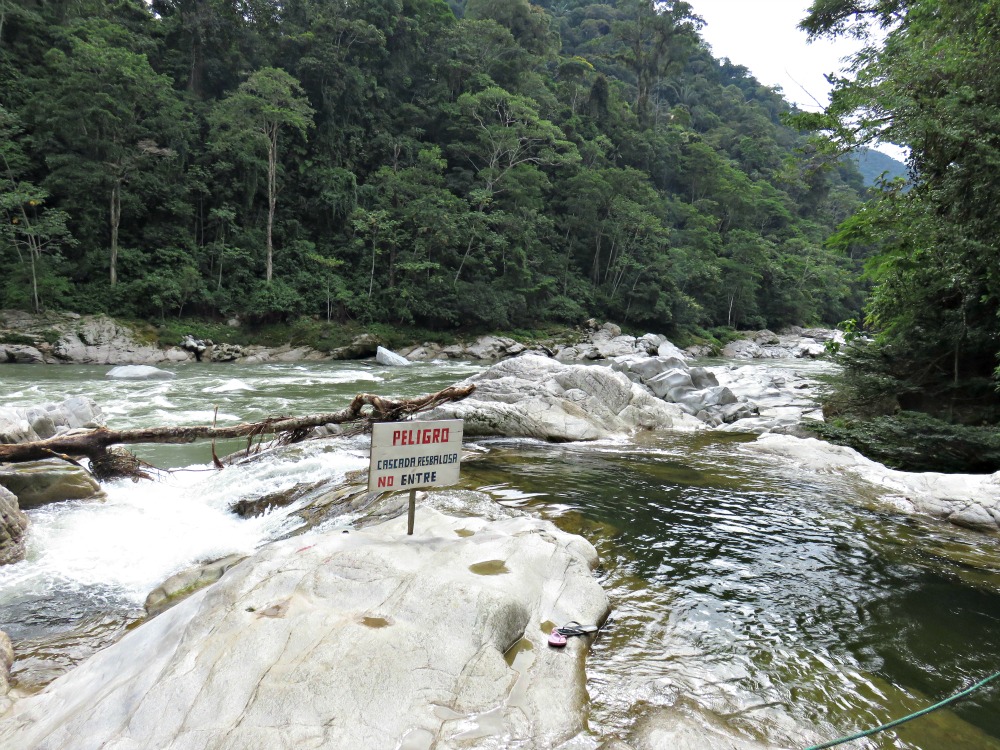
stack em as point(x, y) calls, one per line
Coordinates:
point(106, 463)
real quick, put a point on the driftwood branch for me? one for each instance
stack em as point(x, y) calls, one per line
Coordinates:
point(107, 462)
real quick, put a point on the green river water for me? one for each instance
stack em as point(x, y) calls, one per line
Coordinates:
point(791, 607)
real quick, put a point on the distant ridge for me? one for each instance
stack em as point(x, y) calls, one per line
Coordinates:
point(873, 163)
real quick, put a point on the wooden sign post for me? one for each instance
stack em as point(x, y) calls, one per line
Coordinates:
point(408, 455)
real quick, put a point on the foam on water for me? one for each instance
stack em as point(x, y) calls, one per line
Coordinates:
point(229, 386)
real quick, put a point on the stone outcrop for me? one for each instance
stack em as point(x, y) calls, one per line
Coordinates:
point(368, 639)
point(793, 343)
point(13, 524)
point(533, 396)
point(26, 424)
point(968, 500)
point(100, 340)
point(694, 389)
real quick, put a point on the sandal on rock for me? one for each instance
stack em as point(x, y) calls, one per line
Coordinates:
point(572, 628)
point(557, 639)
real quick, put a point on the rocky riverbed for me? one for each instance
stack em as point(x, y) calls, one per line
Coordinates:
point(277, 622)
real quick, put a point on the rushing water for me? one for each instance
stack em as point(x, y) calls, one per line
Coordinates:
point(790, 606)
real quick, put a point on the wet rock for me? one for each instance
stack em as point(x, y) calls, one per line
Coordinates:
point(678, 729)
point(41, 482)
point(390, 359)
point(258, 506)
point(346, 640)
point(181, 585)
point(532, 396)
point(138, 372)
point(13, 525)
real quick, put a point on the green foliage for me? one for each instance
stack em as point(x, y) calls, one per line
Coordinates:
point(398, 164)
point(912, 441)
point(930, 247)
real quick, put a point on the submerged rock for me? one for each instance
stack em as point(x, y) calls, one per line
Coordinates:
point(138, 372)
point(370, 639)
point(390, 359)
point(13, 524)
point(533, 396)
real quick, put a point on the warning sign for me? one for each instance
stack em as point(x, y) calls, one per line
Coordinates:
point(407, 455)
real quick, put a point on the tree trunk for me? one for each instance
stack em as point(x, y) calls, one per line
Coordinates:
point(107, 465)
point(116, 215)
point(272, 195)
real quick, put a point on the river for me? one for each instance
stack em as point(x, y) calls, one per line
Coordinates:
point(789, 605)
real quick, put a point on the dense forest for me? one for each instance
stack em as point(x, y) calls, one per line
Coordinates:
point(490, 163)
point(927, 79)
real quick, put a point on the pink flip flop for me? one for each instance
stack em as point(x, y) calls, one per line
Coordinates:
point(557, 639)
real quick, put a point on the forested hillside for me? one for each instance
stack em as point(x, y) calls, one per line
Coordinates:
point(489, 163)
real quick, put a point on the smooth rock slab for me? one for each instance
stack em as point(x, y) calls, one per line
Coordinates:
point(370, 640)
point(533, 396)
point(968, 500)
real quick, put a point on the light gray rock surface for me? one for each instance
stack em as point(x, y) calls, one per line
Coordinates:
point(13, 525)
point(138, 372)
point(792, 344)
point(680, 729)
point(533, 396)
point(26, 424)
point(694, 389)
point(370, 640)
point(101, 340)
point(390, 359)
point(968, 500)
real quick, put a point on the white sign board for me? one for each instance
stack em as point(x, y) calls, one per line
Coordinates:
point(407, 455)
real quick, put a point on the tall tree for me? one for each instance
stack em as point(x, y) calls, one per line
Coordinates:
point(106, 114)
point(253, 118)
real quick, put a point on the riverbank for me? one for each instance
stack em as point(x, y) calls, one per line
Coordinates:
point(70, 338)
point(760, 581)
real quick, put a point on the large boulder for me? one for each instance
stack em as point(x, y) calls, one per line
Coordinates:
point(365, 345)
point(41, 482)
point(390, 359)
point(533, 396)
point(138, 372)
point(369, 639)
point(13, 524)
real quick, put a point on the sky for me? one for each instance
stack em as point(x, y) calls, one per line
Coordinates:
point(762, 36)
